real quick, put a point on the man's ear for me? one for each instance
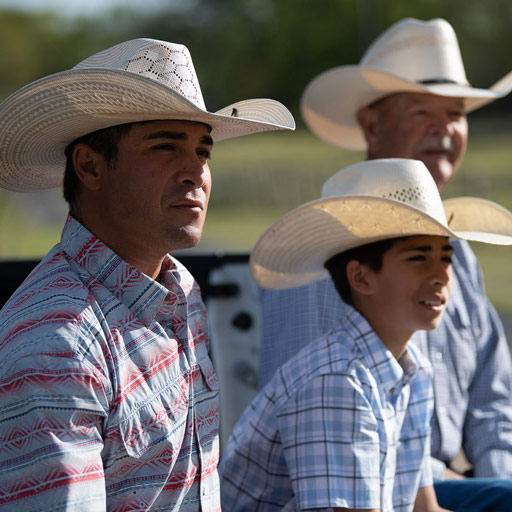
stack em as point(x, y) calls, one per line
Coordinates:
point(368, 120)
point(90, 166)
point(359, 277)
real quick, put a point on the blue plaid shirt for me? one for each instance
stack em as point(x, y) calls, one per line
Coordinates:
point(468, 351)
point(342, 424)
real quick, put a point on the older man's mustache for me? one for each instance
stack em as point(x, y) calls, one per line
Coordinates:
point(436, 143)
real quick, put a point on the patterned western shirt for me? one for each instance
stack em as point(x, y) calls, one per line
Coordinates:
point(108, 399)
point(342, 424)
point(468, 351)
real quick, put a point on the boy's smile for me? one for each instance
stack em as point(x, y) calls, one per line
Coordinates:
point(411, 290)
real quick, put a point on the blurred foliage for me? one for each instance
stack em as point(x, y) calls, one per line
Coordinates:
point(270, 48)
point(251, 48)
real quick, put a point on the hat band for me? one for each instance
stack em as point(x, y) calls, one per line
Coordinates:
point(436, 81)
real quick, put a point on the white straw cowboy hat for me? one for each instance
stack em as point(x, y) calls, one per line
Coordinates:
point(366, 202)
point(410, 56)
point(137, 80)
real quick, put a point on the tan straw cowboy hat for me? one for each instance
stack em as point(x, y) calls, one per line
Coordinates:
point(410, 56)
point(137, 80)
point(366, 202)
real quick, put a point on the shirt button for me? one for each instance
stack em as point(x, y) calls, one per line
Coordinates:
point(438, 356)
point(477, 331)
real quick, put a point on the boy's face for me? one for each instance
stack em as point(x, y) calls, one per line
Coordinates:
point(411, 290)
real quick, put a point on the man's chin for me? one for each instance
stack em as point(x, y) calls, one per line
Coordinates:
point(185, 238)
point(441, 170)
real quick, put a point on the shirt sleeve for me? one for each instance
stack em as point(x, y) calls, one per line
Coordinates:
point(331, 445)
point(488, 425)
point(51, 421)
point(426, 477)
point(438, 468)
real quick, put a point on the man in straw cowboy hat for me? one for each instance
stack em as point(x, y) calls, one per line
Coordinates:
point(108, 398)
point(345, 423)
point(409, 97)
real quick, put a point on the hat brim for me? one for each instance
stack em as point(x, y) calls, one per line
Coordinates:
point(330, 102)
point(479, 220)
point(293, 250)
point(39, 120)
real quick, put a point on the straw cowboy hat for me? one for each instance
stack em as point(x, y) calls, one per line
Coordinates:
point(366, 202)
point(137, 80)
point(410, 56)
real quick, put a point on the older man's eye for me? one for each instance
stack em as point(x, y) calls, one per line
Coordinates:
point(166, 146)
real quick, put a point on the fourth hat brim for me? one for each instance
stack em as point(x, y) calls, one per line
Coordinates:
point(330, 101)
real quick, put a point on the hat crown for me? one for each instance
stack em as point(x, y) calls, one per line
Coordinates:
point(419, 51)
point(167, 63)
point(399, 179)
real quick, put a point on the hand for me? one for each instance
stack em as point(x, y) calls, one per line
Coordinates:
point(426, 500)
point(449, 474)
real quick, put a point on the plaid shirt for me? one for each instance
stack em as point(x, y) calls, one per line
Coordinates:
point(342, 424)
point(108, 399)
point(468, 351)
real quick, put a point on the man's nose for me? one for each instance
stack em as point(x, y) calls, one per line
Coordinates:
point(193, 171)
point(441, 124)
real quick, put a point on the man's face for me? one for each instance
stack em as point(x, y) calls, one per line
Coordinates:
point(156, 197)
point(424, 127)
point(411, 290)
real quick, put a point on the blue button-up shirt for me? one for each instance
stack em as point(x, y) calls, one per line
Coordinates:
point(469, 353)
point(108, 399)
point(342, 424)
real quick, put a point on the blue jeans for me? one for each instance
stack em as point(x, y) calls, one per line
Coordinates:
point(475, 494)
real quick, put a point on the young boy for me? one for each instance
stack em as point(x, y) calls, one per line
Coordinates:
point(345, 424)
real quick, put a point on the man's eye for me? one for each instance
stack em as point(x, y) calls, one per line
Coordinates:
point(168, 147)
point(419, 257)
point(205, 154)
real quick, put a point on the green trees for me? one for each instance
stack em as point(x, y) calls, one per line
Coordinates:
point(248, 48)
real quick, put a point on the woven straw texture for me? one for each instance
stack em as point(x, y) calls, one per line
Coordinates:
point(366, 202)
point(138, 80)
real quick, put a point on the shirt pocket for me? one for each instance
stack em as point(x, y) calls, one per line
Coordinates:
point(462, 348)
point(159, 422)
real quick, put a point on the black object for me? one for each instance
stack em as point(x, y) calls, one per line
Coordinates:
point(13, 273)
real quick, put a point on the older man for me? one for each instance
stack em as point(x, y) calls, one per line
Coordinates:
point(408, 98)
point(108, 398)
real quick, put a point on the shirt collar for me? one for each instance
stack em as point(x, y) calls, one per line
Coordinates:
point(99, 264)
point(389, 373)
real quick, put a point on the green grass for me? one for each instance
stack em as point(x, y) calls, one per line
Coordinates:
point(256, 179)
point(24, 233)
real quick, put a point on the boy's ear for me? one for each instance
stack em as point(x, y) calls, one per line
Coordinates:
point(358, 276)
point(89, 165)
